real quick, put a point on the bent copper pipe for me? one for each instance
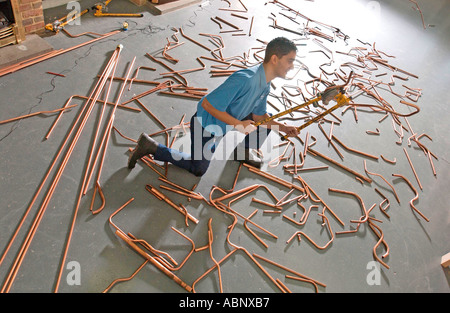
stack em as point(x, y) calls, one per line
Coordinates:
point(224, 209)
point(37, 113)
point(157, 261)
point(299, 233)
point(152, 260)
point(252, 232)
point(361, 202)
point(379, 175)
point(303, 218)
point(380, 240)
point(354, 150)
point(192, 40)
point(118, 280)
point(161, 196)
point(310, 191)
point(411, 202)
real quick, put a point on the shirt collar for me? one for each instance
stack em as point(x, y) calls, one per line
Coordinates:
point(262, 76)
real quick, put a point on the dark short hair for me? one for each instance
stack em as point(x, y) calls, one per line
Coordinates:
point(279, 46)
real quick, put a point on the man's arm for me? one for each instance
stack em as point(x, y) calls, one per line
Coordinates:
point(289, 130)
point(245, 126)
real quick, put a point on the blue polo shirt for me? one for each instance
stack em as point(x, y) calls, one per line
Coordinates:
point(242, 93)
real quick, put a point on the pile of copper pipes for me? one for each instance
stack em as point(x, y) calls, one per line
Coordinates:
point(369, 64)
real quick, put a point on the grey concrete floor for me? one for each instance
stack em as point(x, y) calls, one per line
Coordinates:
point(97, 256)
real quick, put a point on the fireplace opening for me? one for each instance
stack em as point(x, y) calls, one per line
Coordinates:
point(6, 14)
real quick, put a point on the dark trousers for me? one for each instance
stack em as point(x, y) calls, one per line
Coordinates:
point(203, 146)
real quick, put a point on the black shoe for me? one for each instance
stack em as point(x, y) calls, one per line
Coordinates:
point(145, 146)
point(248, 157)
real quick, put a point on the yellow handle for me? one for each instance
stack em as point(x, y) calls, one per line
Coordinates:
point(298, 107)
point(340, 98)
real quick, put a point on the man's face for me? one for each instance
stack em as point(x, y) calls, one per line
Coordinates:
point(285, 64)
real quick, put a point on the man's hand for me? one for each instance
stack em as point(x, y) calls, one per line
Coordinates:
point(246, 126)
point(289, 130)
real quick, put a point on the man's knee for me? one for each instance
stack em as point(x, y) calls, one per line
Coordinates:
point(200, 168)
point(199, 171)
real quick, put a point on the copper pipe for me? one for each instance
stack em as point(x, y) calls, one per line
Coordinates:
point(385, 200)
point(298, 233)
point(161, 196)
point(152, 260)
point(15, 67)
point(354, 150)
point(185, 95)
point(194, 41)
point(305, 280)
point(84, 186)
point(123, 136)
point(151, 114)
point(236, 248)
point(226, 22)
point(288, 270)
point(245, 218)
point(310, 190)
point(145, 93)
point(304, 217)
point(361, 202)
point(330, 141)
point(223, 62)
point(147, 161)
point(412, 167)
point(85, 98)
point(252, 232)
point(210, 241)
point(389, 161)
point(379, 175)
point(137, 72)
point(411, 202)
point(240, 16)
point(231, 227)
point(37, 113)
point(169, 129)
point(106, 137)
point(187, 70)
point(285, 288)
point(56, 74)
point(316, 153)
point(273, 178)
point(266, 203)
point(118, 280)
point(380, 240)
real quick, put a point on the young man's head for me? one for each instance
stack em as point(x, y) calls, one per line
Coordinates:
point(280, 54)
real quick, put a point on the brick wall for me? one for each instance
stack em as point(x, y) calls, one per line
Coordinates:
point(32, 15)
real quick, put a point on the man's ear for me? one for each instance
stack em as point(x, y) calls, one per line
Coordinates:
point(274, 59)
